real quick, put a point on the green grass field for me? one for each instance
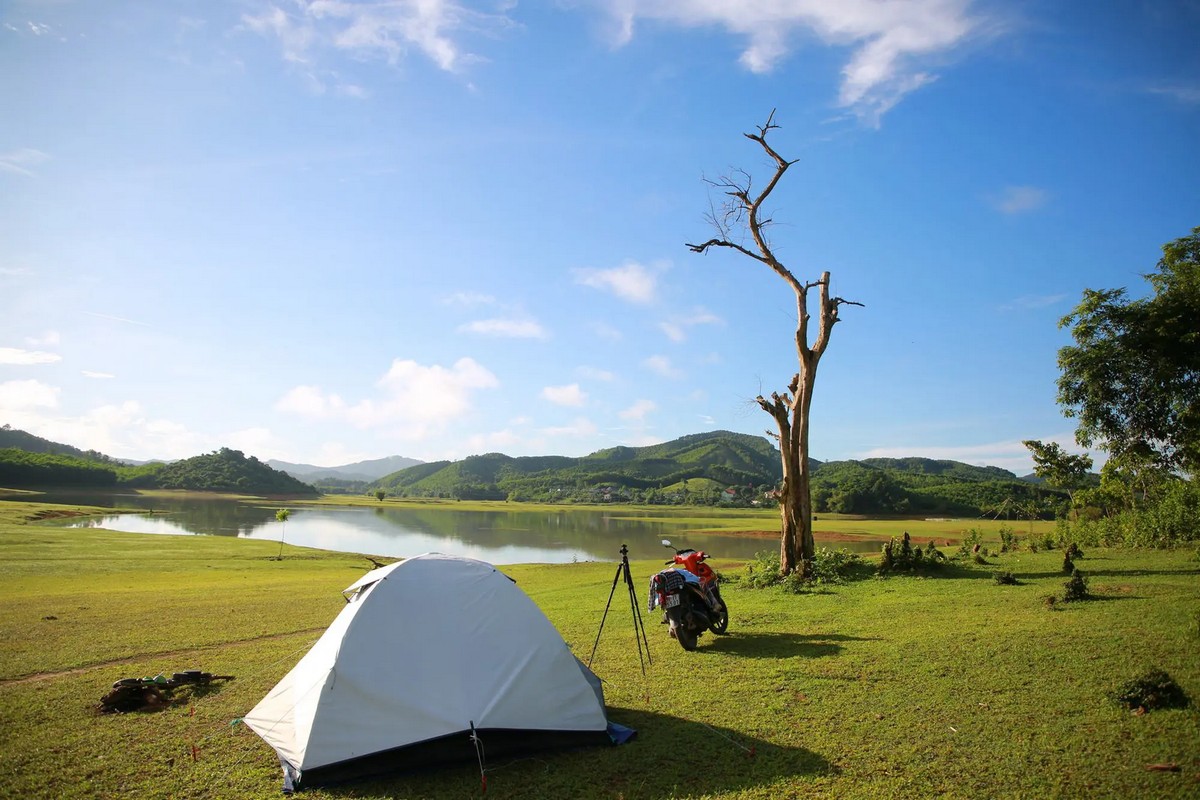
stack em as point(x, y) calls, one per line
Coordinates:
point(949, 686)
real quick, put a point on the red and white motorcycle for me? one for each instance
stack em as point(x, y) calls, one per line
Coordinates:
point(690, 595)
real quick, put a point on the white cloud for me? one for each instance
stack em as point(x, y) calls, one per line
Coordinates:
point(596, 374)
point(676, 328)
point(639, 410)
point(630, 281)
point(386, 29)
point(22, 161)
point(890, 39)
point(495, 441)
point(24, 395)
point(1018, 199)
point(469, 299)
point(48, 339)
point(87, 373)
point(507, 328)
point(569, 395)
point(17, 356)
point(123, 430)
point(580, 427)
point(1031, 302)
point(662, 365)
point(414, 401)
point(1011, 455)
point(1180, 93)
point(673, 331)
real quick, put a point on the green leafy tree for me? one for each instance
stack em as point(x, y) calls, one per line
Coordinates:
point(1058, 468)
point(741, 226)
point(1132, 378)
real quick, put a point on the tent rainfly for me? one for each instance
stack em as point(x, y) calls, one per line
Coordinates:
point(431, 658)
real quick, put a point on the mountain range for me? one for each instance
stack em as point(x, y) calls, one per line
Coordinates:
point(365, 471)
point(717, 467)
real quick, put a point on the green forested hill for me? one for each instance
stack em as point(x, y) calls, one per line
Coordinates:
point(640, 474)
point(11, 437)
point(229, 471)
point(719, 467)
point(53, 465)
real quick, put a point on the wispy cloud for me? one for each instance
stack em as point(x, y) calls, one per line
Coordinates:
point(596, 374)
point(893, 43)
point(117, 319)
point(580, 427)
point(1018, 199)
point(1011, 455)
point(662, 365)
point(87, 373)
point(469, 299)
point(569, 395)
point(676, 328)
point(631, 281)
point(1188, 95)
point(639, 410)
point(22, 161)
point(19, 357)
point(414, 400)
point(505, 328)
point(385, 29)
point(1031, 302)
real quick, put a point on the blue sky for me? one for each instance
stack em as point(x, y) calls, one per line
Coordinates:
point(326, 231)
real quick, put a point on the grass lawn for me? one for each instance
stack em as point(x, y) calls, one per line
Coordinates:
point(902, 687)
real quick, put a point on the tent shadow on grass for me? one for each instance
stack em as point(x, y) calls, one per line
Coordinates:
point(671, 756)
point(779, 645)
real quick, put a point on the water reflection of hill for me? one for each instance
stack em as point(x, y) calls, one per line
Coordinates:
point(509, 535)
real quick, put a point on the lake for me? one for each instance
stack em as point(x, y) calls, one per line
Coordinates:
point(502, 536)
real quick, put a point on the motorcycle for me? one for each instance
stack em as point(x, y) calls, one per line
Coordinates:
point(690, 595)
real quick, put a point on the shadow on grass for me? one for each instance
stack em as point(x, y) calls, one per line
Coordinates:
point(670, 757)
point(779, 645)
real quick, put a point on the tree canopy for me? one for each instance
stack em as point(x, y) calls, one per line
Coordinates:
point(1132, 377)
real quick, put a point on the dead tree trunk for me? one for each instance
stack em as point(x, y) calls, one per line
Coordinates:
point(733, 218)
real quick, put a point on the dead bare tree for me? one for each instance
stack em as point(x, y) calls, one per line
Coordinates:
point(741, 213)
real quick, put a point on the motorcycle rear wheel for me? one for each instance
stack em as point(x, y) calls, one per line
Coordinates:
point(720, 623)
point(687, 639)
point(683, 634)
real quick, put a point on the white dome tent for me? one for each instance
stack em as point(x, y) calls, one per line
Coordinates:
point(428, 654)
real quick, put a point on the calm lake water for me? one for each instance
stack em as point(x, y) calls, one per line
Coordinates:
point(502, 536)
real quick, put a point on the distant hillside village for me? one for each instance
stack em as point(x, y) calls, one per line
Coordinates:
point(719, 468)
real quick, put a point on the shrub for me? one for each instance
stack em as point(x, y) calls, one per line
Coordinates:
point(1005, 579)
point(970, 544)
point(829, 567)
point(1068, 566)
point(1155, 689)
point(902, 556)
point(1076, 588)
point(1008, 541)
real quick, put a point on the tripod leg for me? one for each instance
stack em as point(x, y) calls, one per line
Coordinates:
point(611, 592)
point(638, 626)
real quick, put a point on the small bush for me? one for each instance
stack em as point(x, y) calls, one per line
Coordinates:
point(1155, 689)
point(1005, 579)
point(970, 544)
point(829, 567)
point(1075, 589)
point(1068, 566)
point(1074, 552)
point(1008, 540)
point(903, 557)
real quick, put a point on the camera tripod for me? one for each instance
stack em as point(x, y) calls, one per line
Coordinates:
point(639, 629)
